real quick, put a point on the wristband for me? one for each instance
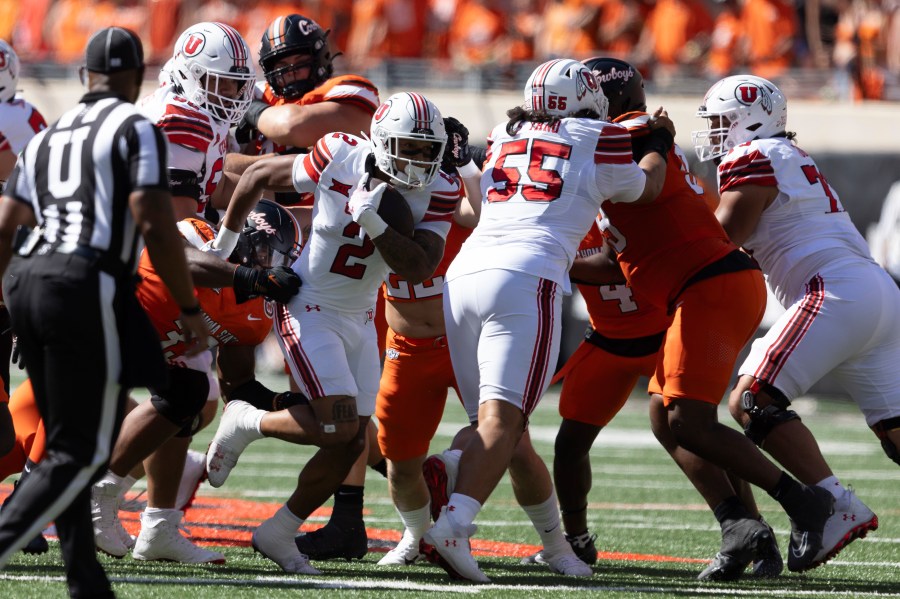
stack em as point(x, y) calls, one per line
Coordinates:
point(254, 111)
point(226, 240)
point(192, 311)
point(660, 141)
point(468, 170)
point(372, 223)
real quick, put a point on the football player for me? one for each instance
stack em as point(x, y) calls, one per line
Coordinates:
point(235, 296)
point(842, 309)
point(327, 332)
point(621, 345)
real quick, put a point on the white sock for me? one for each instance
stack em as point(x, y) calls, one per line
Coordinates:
point(417, 521)
point(832, 485)
point(154, 515)
point(112, 479)
point(287, 521)
point(127, 483)
point(463, 508)
point(545, 518)
point(251, 421)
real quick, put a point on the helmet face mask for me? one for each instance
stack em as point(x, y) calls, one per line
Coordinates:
point(210, 67)
point(295, 36)
point(739, 109)
point(408, 137)
point(563, 87)
point(270, 237)
point(9, 72)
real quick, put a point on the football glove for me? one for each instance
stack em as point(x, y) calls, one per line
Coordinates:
point(278, 283)
point(457, 151)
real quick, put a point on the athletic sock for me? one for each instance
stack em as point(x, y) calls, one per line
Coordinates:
point(417, 521)
point(463, 508)
point(545, 518)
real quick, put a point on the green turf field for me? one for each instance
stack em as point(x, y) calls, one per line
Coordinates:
point(640, 505)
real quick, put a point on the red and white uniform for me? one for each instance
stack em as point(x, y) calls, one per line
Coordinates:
point(543, 188)
point(230, 323)
point(197, 140)
point(329, 325)
point(19, 122)
point(843, 310)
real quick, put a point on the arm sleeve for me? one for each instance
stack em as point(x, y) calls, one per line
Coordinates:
point(620, 182)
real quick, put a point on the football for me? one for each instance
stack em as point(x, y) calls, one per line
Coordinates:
point(394, 211)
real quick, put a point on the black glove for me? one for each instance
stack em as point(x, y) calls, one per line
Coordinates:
point(250, 122)
point(457, 152)
point(278, 283)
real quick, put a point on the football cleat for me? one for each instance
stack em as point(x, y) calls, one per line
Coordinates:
point(582, 545)
point(109, 534)
point(807, 532)
point(406, 553)
point(851, 520)
point(335, 540)
point(567, 564)
point(193, 475)
point(277, 544)
point(234, 434)
point(454, 552)
point(768, 562)
point(36, 546)
point(162, 541)
point(440, 472)
point(741, 542)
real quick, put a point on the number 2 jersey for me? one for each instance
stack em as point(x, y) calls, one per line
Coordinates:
point(805, 230)
point(230, 323)
point(543, 187)
point(339, 267)
point(197, 144)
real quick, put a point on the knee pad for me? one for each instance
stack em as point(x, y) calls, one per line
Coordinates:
point(764, 419)
point(881, 429)
point(183, 398)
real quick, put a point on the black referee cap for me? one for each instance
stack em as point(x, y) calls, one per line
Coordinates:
point(114, 49)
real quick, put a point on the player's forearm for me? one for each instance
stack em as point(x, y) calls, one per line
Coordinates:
point(410, 259)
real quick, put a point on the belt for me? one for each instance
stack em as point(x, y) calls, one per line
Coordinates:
point(101, 259)
point(734, 261)
point(634, 347)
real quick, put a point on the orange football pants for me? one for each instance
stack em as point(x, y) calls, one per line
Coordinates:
point(30, 437)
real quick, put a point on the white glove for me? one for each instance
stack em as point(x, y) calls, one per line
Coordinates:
point(223, 245)
point(364, 205)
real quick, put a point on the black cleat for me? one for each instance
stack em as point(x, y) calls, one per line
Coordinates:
point(808, 528)
point(768, 562)
point(36, 546)
point(584, 548)
point(335, 541)
point(741, 543)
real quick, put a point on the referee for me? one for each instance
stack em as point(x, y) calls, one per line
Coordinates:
point(95, 184)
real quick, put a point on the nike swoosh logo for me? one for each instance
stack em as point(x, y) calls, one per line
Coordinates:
point(251, 317)
point(551, 529)
point(799, 551)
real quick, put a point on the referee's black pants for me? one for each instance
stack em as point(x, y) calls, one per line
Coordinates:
point(62, 310)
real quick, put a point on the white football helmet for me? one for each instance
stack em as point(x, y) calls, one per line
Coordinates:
point(562, 87)
point(411, 117)
point(748, 108)
point(209, 58)
point(9, 71)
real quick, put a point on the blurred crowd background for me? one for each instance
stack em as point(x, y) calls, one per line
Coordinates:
point(832, 49)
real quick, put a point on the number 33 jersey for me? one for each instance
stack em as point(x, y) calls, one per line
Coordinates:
point(339, 266)
point(805, 230)
point(542, 188)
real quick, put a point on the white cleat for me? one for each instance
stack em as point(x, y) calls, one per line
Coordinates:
point(109, 534)
point(406, 553)
point(851, 520)
point(451, 541)
point(234, 434)
point(566, 563)
point(162, 541)
point(278, 545)
point(194, 474)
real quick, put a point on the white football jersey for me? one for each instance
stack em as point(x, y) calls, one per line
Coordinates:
point(197, 140)
point(805, 231)
point(541, 190)
point(340, 268)
point(19, 122)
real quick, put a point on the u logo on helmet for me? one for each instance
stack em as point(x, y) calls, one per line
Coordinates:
point(194, 44)
point(746, 94)
point(589, 80)
point(382, 111)
point(4, 62)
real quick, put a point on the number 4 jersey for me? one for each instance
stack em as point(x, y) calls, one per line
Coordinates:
point(340, 267)
point(805, 230)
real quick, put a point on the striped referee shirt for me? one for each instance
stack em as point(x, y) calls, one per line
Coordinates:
point(77, 176)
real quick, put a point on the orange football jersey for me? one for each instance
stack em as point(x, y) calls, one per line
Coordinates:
point(229, 323)
point(397, 289)
point(617, 311)
point(660, 245)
